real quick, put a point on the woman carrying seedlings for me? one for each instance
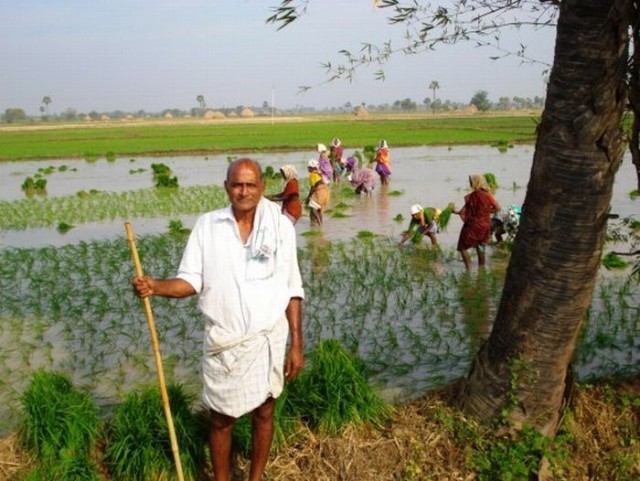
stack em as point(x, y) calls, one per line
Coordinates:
point(318, 197)
point(364, 180)
point(424, 222)
point(290, 196)
point(476, 213)
point(383, 164)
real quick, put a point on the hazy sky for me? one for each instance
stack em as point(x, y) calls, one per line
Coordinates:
point(128, 55)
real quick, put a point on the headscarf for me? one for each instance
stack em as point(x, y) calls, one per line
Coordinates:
point(416, 209)
point(335, 142)
point(478, 182)
point(289, 172)
point(313, 164)
point(351, 163)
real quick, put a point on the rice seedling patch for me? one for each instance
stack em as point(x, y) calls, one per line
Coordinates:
point(411, 319)
point(60, 425)
point(138, 446)
point(334, 391)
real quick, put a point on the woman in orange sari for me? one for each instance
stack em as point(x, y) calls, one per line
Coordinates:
point(383, 164)
point(476, 213)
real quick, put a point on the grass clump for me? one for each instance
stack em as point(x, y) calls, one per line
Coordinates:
point(60, 426)
point(335, 392)
point(365, 234)
point(37, 186)
point(613, 261)
point(63, 227)
point(177, 228)
point(502, 145)
point(515, 456)
point(163, 176)
point(138, 443)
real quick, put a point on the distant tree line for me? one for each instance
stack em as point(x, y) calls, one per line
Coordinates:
point(480, 101)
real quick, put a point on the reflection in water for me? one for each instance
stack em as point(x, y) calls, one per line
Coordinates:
point(319, 253)
point(473, 292)
point(384, 204)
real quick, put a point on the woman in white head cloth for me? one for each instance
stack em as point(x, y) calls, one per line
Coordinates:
point(318, 197)
point(290, 195)
point(424, 222)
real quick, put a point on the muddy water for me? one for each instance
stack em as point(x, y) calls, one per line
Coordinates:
point(431, 176)
point(427, 175)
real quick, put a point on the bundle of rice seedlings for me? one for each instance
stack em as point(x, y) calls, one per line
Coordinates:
point(285, 426)
point(491, 180)
point(138, 443)
point(445, 216)
point(369, 152)
point(335, 392)
point(60, 425)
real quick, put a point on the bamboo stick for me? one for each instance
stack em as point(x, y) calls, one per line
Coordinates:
point(156, 352)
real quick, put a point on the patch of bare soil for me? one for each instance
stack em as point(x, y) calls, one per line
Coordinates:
point(601, 431)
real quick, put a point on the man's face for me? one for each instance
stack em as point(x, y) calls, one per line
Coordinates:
point(244, 187)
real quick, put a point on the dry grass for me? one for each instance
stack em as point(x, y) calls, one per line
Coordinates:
point(12, 458)
point(602, 432)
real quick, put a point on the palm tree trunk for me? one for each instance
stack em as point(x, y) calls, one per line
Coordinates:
point(524, 364)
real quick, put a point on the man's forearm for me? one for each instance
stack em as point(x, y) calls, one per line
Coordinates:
point(294, 317)
point(177, 288)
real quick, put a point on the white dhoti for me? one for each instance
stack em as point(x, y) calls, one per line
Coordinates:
point(239, 374)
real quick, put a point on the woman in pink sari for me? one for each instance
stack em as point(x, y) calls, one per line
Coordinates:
point(476, 213)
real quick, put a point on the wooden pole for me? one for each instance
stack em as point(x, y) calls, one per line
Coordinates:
point(156, 352)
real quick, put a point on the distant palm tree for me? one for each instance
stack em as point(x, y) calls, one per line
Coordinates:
point(46, 100)
point(201, 102)
point(434, 85)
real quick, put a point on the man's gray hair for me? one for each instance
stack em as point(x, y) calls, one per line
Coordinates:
point(244, 160)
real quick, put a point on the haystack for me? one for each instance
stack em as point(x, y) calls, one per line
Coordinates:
point(213, 114)
point(360, 112)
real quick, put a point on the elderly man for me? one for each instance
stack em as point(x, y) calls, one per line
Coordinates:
point(242, 261)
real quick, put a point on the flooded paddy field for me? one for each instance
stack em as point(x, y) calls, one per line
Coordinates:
point(410, 312)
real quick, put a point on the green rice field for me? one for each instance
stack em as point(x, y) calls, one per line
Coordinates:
point(161, 138)
point(411, 315)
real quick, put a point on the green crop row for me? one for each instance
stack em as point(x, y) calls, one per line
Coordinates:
point(413, 320)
